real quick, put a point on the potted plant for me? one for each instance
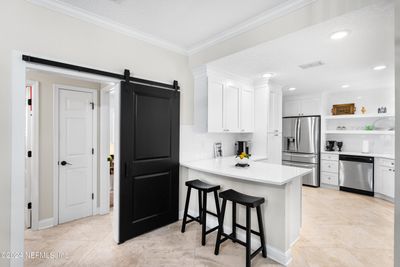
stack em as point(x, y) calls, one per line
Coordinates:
point(243, 159)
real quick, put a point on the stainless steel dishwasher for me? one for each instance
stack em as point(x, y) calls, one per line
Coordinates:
point(356, 174)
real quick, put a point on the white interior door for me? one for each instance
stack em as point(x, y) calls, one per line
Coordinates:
point(75, 154)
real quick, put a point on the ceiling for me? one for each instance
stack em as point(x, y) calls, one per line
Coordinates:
point(346, 61)
point(182, 25)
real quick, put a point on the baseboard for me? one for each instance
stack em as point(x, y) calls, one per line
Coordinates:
point(46, 223)
point(275, 254)
point(384, 197)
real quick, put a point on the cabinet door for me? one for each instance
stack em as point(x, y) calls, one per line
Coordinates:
point(387, 179)
point(247, 111)
point(231, 109)
point(215, 104)
point(274, 148)
point(310, 107)
point(275, 112)
point(291, 108)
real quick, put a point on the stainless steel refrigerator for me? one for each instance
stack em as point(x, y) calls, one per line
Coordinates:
point(301, 145)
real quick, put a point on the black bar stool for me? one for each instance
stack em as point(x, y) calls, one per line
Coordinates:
point(202, 188)
point(249, 202)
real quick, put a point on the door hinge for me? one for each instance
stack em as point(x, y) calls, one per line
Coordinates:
point(29, 154)
point(92, 195)
point(92, 151)
point(29, 102)
point(92, 104)
point(29, 205)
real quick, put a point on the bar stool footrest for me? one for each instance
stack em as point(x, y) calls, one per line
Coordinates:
point(256, 252)
point(244, 228)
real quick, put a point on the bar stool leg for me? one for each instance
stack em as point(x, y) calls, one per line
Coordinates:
point(234, 220)
point(204, 219)
point(217, 203)
point(200, 207)
point(261, 228)
point(220, 228)
point(248, 237)
point(186, 209)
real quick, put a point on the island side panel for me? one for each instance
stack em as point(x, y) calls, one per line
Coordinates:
point(273, 210)
point(293, 211)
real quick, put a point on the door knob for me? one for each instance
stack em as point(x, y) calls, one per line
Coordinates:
point(63, 163)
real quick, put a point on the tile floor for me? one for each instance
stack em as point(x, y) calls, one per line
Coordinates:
point(339, 229)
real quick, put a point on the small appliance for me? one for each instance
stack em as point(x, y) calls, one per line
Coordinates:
point(242, 146)
point(330, 145)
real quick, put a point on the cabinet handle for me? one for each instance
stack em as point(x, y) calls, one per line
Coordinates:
point(226, 130)
point(390, 170)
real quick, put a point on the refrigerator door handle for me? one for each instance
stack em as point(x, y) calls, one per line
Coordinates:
point(297, 138)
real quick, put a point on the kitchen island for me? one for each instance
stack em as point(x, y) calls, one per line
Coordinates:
point(279, 185)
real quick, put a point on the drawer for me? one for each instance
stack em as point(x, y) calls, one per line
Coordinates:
point(329, 178)
point(385, 162)
point(329, 166)
point(330, 156)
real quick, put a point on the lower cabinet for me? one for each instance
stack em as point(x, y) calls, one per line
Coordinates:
point(384, 177)
point(330, 169)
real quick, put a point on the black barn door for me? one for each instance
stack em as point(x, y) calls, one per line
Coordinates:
point(149, 180)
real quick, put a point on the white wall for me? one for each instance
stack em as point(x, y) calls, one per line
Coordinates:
point(46, 82)
point(44, 33)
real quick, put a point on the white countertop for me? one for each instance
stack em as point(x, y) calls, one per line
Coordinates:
point(375, 155)
point(266, 173)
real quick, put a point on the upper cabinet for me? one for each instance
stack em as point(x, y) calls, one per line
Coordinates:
point(230, 108)
point(275, 112)
point(301, 107)
point(223, 103)
point(247, 110)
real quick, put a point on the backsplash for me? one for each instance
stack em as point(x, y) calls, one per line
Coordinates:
point(195, 144)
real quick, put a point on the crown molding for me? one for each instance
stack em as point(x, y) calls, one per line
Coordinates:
point(73, 11)
point(101, 21)
point(269, 15)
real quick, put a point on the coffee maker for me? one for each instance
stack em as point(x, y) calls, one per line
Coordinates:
point(242, 146)
point(330, 145)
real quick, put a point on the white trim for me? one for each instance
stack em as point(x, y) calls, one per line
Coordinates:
point(117, 112)
point(46, 223)
point(107, 23)
point(256, 21)
point(56, 91)
point(104, 150)
point(282, 257)
point(35, 154)
point(17, 212)
point(284, 9)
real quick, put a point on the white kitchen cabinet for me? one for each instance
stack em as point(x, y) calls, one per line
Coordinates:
point(275, 112)
point(329, 169)
point(231, 112)
point(230, 108)
point(301, 107)
point(247, 110)
point(384, 181)
point(274, 148)
point(215, 103)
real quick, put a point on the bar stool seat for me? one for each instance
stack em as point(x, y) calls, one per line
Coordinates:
point(200, 185)
point(203, 189)
point(246, 200)
point(250, 202)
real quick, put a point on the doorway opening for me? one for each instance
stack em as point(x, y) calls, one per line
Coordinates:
point(69, 185)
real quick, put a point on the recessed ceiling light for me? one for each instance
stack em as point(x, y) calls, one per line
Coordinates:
point(380, 67)
point(292, 89)
point(339, 35)
point(345, 86)
point(269, 75)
